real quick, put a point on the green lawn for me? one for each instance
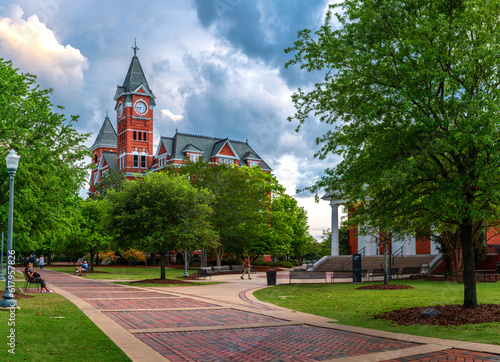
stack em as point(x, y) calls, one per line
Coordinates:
point(357, 307)
point(50, 328)
point(124, 273)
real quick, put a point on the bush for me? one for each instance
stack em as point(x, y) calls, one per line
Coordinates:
point(133, 256)
point(285, 264)
point(107, 257)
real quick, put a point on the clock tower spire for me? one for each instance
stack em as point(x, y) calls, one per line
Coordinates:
point(134, 116)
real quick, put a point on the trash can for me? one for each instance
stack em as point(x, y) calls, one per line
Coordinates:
point(271, 277)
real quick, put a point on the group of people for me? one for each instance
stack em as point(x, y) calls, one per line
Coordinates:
point(32, 260)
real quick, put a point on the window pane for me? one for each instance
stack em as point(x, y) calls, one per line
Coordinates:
point(136, 160)
point(143, 161)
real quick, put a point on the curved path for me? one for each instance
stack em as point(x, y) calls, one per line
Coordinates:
point(224, 322)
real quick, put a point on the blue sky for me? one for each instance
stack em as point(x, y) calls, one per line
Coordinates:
point(215, 66)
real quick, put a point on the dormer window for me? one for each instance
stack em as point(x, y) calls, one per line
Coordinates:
point(253, 163)
point(193, 157)
point(227, 161)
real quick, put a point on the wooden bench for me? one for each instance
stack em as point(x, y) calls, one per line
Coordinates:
point(307, 275)
point(28, 283)
point(377, 273)
point(410, 270)
point(223, 269)
point(238, 268)
point(394, 273)
point(341, 274)
point(204, 272)
point(241, 269)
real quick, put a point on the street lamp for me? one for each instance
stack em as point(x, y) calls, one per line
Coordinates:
point(8, 300)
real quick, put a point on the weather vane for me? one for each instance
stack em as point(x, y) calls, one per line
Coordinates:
point(135, 47)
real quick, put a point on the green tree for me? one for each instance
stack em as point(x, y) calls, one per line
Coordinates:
point(289, 222)
point(242, 207)
point(411, 90)
point(112, 180)
point(161, 211)
point(51, 169)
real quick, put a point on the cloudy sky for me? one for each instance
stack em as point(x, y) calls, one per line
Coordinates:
point(215, 66)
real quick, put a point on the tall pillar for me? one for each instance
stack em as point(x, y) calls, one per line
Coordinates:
point(335, 228)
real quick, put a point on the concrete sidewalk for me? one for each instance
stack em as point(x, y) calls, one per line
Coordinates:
point(224, 322)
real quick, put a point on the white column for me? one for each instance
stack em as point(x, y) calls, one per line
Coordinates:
point(335, 228)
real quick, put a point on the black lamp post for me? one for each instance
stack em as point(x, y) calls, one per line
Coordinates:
point(8, 300)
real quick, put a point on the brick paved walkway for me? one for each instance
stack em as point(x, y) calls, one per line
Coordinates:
point(185, 324)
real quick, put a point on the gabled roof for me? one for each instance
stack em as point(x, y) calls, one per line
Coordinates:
point(251, 156)
point(108, 159)
point(106, 136)
point(219, 146)
point(191, 148)
point(134, 79)
point(207, 146)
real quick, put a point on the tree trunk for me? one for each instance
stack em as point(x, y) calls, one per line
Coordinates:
point(162, 265)
point(91, 260)
point(467, 242)
point(386, 262)
point(218, 254)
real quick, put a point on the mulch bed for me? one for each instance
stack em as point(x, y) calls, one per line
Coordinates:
point(22, 296)
point(447, 315)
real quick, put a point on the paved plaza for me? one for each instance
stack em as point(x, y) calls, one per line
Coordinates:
point(224, 322)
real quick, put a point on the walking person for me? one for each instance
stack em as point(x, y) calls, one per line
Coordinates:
point(41, 262)
point(246, 266)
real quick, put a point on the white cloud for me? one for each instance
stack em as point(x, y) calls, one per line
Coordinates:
point(167, 114)
point(34, 48)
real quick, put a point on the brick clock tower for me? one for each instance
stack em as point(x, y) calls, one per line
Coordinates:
point(134, 117)
point(129, 149)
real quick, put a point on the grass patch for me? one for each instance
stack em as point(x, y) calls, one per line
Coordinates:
point(357, 307)
point(125, 273)
point(43, 335)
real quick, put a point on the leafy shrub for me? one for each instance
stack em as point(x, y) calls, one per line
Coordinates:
point(107, 257)
point(133, 256)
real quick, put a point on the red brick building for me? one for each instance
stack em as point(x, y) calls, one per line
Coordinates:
point(129, 148)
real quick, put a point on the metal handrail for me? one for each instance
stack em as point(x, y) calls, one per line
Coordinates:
point(398, 252)
point(348, 261)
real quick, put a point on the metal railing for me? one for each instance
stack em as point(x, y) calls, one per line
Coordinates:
point(398, 252)
point(349, 261)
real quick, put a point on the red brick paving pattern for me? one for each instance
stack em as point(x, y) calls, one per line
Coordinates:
point(299, 343)
point(451, 355)
point(284, 343)
point(121, 294)
point(187, 318)
point(157, 303)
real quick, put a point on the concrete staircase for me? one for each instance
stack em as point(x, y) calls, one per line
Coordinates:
point(374, 262)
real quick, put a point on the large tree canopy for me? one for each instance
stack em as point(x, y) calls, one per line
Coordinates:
point(161, 212)
point(51, 169)
point(412, 92)
point(242, 206)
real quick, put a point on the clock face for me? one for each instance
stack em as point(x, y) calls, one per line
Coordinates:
point(120, 109)
point(141, 107)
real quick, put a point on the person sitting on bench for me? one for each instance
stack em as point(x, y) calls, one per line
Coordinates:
point(83, 268)
point(35, 277)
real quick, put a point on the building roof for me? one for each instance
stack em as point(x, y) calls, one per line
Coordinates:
point(209, 147)
point(106, 136)
point(134, 80)
point(110, 159)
